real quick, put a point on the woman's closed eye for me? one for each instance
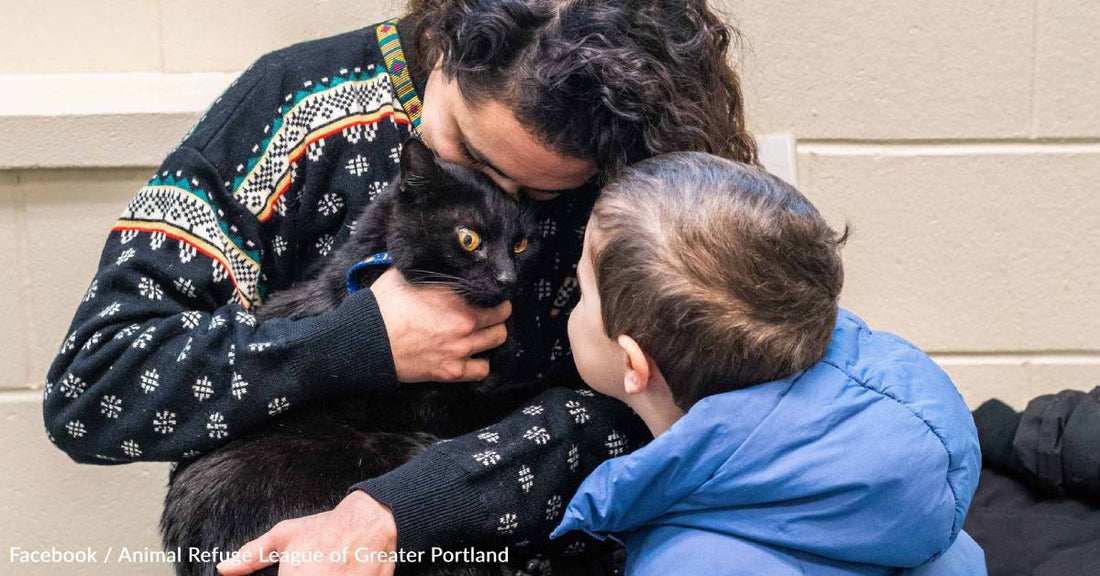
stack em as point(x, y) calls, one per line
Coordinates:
point(469, 156)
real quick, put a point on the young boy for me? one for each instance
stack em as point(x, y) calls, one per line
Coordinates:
point(789, 437)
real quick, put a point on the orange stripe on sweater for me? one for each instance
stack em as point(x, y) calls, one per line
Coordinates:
point(320, 134)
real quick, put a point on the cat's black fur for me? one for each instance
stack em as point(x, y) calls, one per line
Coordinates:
point(305, 461)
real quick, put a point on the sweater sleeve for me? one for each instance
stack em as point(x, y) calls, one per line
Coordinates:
point(507, 483)
point(164, 360)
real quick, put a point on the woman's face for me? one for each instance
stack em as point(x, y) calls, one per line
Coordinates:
point(489, 138)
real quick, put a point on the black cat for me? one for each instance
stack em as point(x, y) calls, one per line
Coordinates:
point(442, 224)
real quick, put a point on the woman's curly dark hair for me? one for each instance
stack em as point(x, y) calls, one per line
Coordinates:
point(611, 80)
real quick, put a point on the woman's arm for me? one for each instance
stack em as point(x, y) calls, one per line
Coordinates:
point(164, 359)
point(509, 482)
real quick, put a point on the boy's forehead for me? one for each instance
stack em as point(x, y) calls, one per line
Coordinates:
point(589, 234)
point(589, 230)
point(584, 265)
point(581, 263)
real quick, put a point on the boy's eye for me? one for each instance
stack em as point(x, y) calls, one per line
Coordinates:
point(469, 239)
point(520, 246)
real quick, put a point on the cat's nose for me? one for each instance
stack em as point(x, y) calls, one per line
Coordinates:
point(506, 277)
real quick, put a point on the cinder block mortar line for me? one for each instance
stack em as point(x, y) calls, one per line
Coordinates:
point(999, 357)
point(18, 396)
point(916, 148)
point(160, 33)
point(1034, 66)
point(22, 271)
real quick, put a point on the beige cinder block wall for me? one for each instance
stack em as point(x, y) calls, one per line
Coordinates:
point(961, 141)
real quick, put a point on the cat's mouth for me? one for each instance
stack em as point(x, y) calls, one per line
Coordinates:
point(487, 300)
point(484, 297)
point(475, 294)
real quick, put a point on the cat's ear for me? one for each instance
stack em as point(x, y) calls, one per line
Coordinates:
point(419, 172)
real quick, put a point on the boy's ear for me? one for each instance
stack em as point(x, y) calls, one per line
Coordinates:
point(636, 365)
point(419, 172)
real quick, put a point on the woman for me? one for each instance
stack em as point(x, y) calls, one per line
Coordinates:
point(549, 98)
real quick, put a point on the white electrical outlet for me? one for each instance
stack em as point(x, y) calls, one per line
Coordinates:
point(778, 155)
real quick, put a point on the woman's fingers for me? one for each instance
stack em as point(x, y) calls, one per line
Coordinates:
point(484, 337)
point(433, 332)
point(475, 369)
point(488, 338)
point(489, 316)
point(249, 557)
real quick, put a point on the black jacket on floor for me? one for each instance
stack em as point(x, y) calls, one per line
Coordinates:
point(1024, 532)
point(1037, 508)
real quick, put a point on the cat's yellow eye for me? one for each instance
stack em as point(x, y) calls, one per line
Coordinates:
point(469, 239)
point(520, 246)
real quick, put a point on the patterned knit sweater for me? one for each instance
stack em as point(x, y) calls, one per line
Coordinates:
point(164, 361)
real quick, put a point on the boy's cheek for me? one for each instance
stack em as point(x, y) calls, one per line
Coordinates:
point(570, 328)
point(582, 350)
point(576, 343)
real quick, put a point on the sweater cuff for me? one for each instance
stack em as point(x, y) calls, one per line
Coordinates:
point(432, 500)
point(345, 350)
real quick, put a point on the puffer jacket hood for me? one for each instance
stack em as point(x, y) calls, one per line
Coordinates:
point(869, 457)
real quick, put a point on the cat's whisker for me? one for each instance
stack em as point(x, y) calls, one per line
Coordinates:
point(435, 273)
point(418, 278)
point(435, 283)
point(451, 285)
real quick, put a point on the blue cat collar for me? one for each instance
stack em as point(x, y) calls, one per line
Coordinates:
point(376, 259)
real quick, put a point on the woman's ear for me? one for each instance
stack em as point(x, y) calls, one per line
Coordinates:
point(636, 365)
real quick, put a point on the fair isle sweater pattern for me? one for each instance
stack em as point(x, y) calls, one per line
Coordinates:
point(164, 361)
point(350, 104)
point(398, 67)
point(162, 355)
point(183, 211)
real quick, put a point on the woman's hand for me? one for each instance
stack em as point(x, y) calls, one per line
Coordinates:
point(433, 331)
point(334, 543)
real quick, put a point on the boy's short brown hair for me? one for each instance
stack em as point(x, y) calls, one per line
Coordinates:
point(726, 275)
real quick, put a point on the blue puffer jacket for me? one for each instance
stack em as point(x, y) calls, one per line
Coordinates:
point(862, 464)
